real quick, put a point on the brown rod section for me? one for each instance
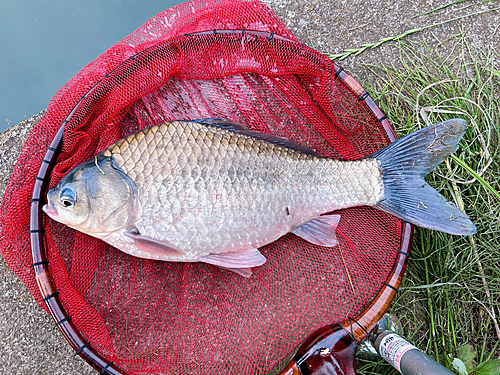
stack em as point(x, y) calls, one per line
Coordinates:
point(291, 369)
point(258, 34)
point(42, 274)
point(370, 316)
point(342, 339)
point(40, 264)
point(332, 349)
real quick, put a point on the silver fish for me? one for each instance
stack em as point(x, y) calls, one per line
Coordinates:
point(212, 191)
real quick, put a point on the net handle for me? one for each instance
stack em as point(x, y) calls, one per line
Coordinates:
point(49, 293)
point(355, 330)
point(347, 335)
point(364, 322)
point(369, 317)
point(43, 277)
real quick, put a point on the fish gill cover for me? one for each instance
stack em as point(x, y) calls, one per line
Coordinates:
point(153, 317)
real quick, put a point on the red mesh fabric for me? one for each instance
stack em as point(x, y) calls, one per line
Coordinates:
point(153, 317)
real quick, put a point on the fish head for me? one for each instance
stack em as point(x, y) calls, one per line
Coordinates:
point(95, 198)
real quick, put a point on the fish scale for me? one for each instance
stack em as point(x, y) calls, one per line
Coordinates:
point(213, 191)
point(239, 171)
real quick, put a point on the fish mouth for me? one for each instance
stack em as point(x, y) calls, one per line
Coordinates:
point(50, 210)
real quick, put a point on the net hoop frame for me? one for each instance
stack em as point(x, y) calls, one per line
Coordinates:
point(358, 326)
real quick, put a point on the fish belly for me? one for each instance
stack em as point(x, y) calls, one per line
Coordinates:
point(208, 190)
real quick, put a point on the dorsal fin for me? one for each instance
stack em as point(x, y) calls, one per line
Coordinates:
point(242, 129)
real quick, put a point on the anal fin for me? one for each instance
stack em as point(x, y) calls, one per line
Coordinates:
point(242, 260)
point(245, 272)
point(319, 231)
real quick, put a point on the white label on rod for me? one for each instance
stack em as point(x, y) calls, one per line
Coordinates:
point(392, 348)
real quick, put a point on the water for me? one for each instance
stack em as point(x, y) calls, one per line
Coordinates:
point(43, 44)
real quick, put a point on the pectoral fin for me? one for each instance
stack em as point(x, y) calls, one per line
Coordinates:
point(152, 246)
point(320, 231)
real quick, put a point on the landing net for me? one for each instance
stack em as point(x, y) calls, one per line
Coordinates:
point(202, 59)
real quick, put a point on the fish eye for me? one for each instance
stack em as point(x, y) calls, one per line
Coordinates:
point(67, 197)
point(67, 203)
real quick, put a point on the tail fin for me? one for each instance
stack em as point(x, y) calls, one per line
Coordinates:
point(405, 163)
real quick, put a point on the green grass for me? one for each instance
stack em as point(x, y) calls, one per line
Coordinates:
point(449, 301)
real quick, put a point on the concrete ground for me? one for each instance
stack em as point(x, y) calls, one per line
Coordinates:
point(29, 342)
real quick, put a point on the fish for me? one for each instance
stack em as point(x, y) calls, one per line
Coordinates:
point(214, 191)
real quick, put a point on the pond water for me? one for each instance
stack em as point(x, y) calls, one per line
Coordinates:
point(43, 44)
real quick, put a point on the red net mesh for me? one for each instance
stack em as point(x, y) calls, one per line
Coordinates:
point(153, 317)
